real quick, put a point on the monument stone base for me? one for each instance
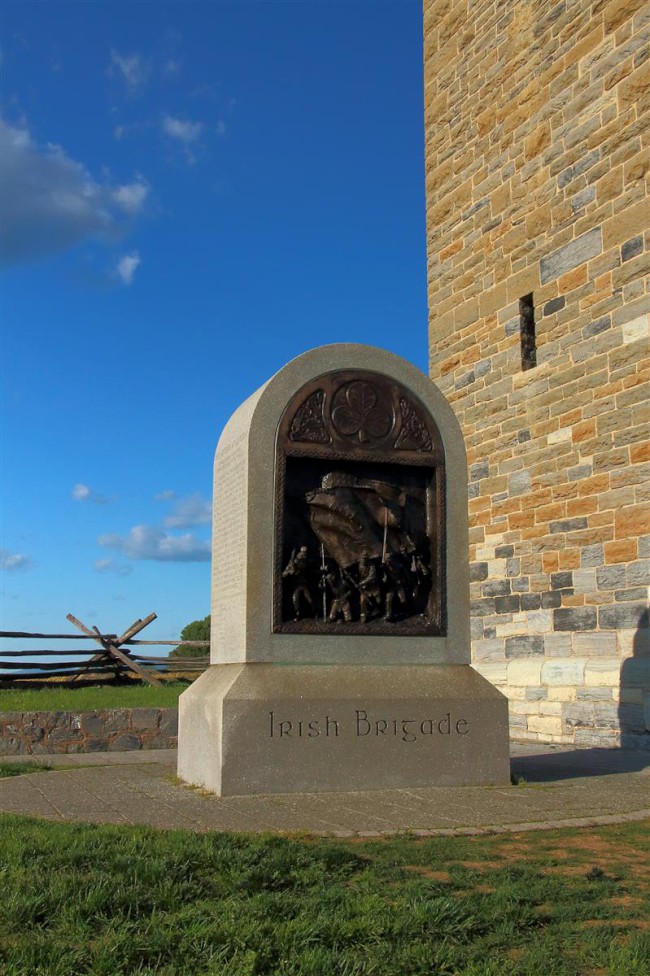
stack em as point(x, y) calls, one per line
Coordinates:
point(274, 728)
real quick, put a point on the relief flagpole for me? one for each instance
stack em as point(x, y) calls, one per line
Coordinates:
point(322, 573)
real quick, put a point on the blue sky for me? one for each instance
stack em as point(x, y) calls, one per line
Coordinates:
point(192, 195)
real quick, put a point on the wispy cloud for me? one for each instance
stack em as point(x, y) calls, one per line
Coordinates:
point(14, 561)
point(152, 543)
point(131, 196)
point(51, 203)
point(165, 496)
point(127, 267)
point(184, 131)
point(112, 566)
point(83, 493)
point(189, 511)
point(132, 69)
point(171, 68)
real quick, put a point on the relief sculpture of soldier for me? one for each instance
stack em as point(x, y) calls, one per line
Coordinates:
point(370, 593)
point(298, 570)
point(395, 584)
point(341, 587)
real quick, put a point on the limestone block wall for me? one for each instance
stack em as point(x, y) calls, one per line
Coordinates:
point(536, 130)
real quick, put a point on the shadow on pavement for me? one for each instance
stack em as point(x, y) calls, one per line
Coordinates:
point(576, 763)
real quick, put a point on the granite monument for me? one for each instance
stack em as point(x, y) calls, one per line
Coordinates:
point(340, 655)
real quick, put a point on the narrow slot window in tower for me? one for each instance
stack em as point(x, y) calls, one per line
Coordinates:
point(527, 332)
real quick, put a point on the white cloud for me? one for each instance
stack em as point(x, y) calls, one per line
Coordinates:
point(171, 67)
point(82, 493)
point(127, 267)
point(131, 68)
point(112, 566)
point(182, 129)
point(12, 561)
point(221, 128)
point(165, 496)
point(189, 511)
point(50, 202)
point(153, 543)
point(131, 197)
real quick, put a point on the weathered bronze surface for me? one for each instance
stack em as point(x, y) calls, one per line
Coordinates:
point(359, 510)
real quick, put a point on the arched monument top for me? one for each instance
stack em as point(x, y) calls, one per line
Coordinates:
point(373, 466)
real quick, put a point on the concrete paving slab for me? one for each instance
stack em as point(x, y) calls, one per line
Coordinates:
point(558, 786)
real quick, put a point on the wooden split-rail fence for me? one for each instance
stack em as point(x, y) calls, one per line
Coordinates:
point(111, 658)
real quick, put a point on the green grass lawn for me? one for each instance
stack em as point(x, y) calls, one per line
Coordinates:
point(108, 901)
point(91, 698)
point(21, 768)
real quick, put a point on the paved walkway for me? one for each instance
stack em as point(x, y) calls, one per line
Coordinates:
point(562, 787)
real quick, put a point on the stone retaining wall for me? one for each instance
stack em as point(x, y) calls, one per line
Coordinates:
point(108, 730)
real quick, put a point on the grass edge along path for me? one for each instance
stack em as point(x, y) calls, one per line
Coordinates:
point(115, 901)
point(91, 698)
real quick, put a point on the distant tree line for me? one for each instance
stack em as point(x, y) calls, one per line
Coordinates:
point(194, 631)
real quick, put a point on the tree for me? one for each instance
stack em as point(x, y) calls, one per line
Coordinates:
point(194, 631)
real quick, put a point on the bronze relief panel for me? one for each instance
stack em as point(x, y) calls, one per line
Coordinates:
point(359, 526)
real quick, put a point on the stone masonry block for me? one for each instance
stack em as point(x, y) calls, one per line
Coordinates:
point(592, 555)
point(559, 671)
point(578, 714)
point(517, 722)
point(551, 708)
point(92, 724)
point(632, 248)
point(594, 694)
point(638, 573)
point(545, 725)
point(495, 673)
point(603, 673)
point(558, 645)
point(478, 572)
point(500, 587)
point(635, 673)
point(584, 580)
point(144, 719)
point(631, 718)
point(125, 741)
point(540, 622)
point(531, 601)
point(636, 330)
point(571, 255)
point(524, 672)
point(611, 577)
point(631, 594)
point(623, 616)
point(596, 644)
point(551, 599)
point(487, 650)
point(561, 581)
point(574, 618)
point(519, 483)
point(536, 694)
point(115, 719)
point(507, 604)
point(169, 721)
point(524, 646)
point(606, 715)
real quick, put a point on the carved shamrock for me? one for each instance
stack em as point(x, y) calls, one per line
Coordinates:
point(359, 412)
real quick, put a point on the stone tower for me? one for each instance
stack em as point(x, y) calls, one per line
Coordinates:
point(536, 130)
